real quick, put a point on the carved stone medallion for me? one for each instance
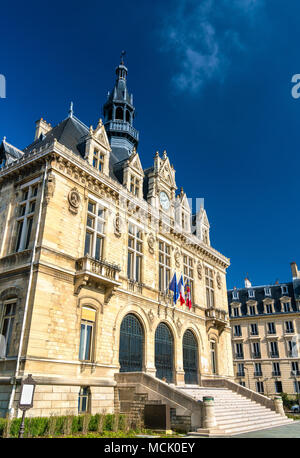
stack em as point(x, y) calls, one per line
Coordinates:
point(74, 200)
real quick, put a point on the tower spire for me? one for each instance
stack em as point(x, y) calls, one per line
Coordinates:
point(118, 116)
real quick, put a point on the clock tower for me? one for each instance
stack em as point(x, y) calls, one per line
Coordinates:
point(162, 185)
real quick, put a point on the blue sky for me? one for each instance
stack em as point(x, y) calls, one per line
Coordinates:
point(212, 85)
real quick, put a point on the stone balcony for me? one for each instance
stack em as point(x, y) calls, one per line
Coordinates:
point(98, 274)
point(216, 318)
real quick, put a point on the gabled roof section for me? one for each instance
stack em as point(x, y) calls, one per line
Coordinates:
point(70, 133)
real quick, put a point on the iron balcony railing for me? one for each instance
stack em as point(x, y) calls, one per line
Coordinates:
point(239, 356)
point(256, 355)
point(122, 126)
point(257, 374)
point(274, 354)
point(276, 374)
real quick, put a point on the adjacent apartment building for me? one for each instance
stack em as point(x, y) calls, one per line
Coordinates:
point(265, 322)
point(90, 241)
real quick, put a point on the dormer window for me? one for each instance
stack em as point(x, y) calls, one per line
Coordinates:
point(251, 293)
point(98, 160)
point(269, 308)
point(267, 291)
point(252, 310)
point(134, 185)
point(235, 311)
point(235, 294)
point(284, 289)
point(286, 306)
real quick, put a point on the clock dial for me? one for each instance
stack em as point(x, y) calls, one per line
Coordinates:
point(164, 200)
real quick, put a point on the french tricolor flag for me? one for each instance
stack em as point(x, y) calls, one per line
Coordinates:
point(181, 291)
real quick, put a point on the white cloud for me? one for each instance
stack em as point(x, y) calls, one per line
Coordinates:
point(203, 34)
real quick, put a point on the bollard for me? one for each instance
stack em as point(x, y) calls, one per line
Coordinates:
point(279, 405)
point(209, 419)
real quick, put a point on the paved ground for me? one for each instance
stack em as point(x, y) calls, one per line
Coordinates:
point(288, 431)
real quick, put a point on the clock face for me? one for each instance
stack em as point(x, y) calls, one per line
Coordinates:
point(164, 200)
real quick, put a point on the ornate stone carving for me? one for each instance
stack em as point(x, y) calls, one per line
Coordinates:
point(117, 225)
point(50, 187)
point(151, 241)
point(199, 270)
point(219, 280)
point(151, 317)
point(74, 200)
point(177, 257)
point(178, 326)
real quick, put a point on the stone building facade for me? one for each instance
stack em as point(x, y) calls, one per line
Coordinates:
point(265, 322)
point(89, 243)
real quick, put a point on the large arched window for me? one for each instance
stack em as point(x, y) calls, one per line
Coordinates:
point(119, 113)
point(131, 347)
point(190, 358)
point(164, 353)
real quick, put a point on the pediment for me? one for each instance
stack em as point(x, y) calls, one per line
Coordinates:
point(134, 163)
point(100, 135)
point(166, 173)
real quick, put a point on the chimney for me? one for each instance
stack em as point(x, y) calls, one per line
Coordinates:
point(295, 272)
point(41, 127)
point(248, 283)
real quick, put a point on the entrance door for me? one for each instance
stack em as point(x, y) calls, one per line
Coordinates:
point(164, 353)
point(190, 358)
point(131, 345)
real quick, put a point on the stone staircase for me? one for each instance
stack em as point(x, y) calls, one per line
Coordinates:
point(236, 414)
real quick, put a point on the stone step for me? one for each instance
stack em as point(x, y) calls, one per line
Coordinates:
point(246, 420)
point(233, 415)
point(254, 427)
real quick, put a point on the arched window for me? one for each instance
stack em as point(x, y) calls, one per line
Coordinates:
point(128, 116)
point(84, 399)
point(87, 329)
point(190, 358)
point(131, 348)
point(164, 353)
point(119, 113)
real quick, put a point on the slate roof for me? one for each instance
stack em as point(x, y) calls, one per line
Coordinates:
point(260, 295)
point(70, 132)
point(9, 153)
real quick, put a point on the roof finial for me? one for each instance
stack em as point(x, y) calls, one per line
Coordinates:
point(122, 57)
point(71, 110)
point(4, 139)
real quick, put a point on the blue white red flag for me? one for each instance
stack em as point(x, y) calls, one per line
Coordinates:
point(181, 291)
point(188, 297)
point(174, 287)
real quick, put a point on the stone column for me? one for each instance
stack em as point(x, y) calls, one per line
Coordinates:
point(279, 405)
point(209, 419)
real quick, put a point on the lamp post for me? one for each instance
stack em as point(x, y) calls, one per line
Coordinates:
point(26, 400)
